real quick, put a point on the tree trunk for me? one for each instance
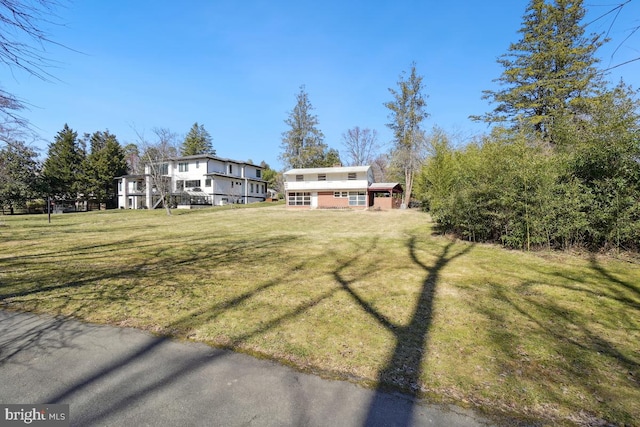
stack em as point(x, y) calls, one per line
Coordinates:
point(408, 183)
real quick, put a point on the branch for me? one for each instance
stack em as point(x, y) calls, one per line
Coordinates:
point(623, 63)
point(617, 10)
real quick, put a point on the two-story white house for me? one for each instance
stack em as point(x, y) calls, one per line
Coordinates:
point(192, 181)
point(335, 187)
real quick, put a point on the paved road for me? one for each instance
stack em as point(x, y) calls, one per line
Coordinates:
point(125, 377)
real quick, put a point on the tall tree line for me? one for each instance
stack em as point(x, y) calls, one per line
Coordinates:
point(563, 169)
point(75, 169)
point(83, 168)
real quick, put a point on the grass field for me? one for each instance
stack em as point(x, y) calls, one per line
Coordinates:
point(372, 297)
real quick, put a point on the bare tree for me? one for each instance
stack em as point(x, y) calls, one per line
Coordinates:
point(234, 191)
point(22, 42)
point(156, 156)
point(380, 166)
point(361, 146)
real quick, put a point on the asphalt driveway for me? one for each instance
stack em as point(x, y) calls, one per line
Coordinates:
point(125, 377)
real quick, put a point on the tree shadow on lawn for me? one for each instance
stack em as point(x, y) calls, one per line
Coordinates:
point(627, 292)
point(82, 266)
point(74, 292)
point(132, 395)
point(40, 337)
point(561, 349)
point(402, 370)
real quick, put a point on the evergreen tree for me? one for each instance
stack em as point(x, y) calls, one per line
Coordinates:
point(105, 162)
point(330, 158)
point(407, 113)
point(197, 141)
point(62, 167)
point(303, 144)
point(18, 174)
point(549, 71)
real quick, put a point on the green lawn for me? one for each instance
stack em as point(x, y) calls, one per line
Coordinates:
point(373, 297)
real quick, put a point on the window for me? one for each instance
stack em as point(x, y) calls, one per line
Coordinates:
point(357, 198)
point(299, 177)
point(322, 177)
point(252, 187)
point(340, 194)
point(352, 176)
point(258, 173)
point(299, 199)
point(179, 185)
point(230, 169)
point(207, 182)
point(183, 167)
point(197, 164)
point(164, 169)
point(192, 183)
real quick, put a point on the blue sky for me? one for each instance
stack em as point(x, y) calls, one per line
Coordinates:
point(236, 66)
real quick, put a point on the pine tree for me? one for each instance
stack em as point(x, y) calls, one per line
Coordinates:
point(62, 167)
point(197, 141)
point(303, 144)
point(105, 162)
point(407, 113)
point(550, 71)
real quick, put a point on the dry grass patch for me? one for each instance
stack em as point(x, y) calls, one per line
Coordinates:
point(370, 296)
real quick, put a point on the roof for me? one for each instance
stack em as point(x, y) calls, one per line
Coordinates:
point(335, 169)
point(385, 186)
point(129, 176)
point(212, 157)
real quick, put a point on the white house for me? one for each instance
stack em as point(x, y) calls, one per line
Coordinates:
point(335, 187)
point(200, 180)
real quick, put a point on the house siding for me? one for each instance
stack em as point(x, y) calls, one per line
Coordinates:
point(385, 203)
point(230, 182)
point(323, 183)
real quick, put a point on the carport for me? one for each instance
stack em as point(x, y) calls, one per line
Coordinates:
point(385, 195)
